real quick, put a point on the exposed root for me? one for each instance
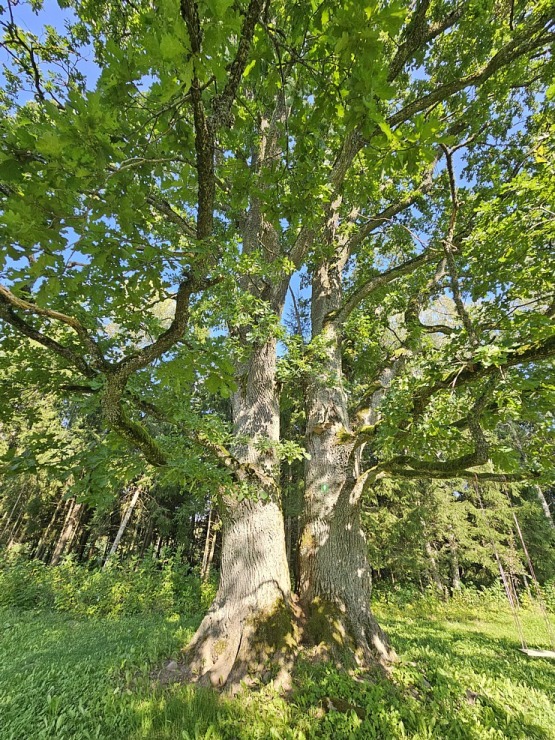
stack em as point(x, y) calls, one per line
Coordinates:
point(228, 652)
point(245, 649)
point(350, 639)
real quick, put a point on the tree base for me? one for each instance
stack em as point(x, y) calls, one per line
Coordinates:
point(245, 649)
point(353, 640)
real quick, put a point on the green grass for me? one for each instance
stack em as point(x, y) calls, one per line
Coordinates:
point(461, 676)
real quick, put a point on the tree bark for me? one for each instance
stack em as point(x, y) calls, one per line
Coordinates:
point(544, 505)
point(433, 569)
point(454, 563)
point(43, 543)
point(123, 525)
point(68, 531)
point(335, 576)
point(250, 621)
point(210, 548)
point(206, 551)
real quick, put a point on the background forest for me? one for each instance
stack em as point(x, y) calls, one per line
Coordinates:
point(437, 536)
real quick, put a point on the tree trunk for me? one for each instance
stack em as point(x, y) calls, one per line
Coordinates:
point(68, 531)
point(544, 505)
point(123, 525)
point(335, 576)
point(433, 569)
point(80, 542)
point(250, 622)
point(454, 563)
point(206, 551)
point(43, 543)
point(7, 519)
point(209, 552)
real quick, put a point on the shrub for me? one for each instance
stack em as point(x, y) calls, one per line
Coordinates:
point(120, 589)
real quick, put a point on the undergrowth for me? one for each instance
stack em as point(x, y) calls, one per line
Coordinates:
point(122, 589)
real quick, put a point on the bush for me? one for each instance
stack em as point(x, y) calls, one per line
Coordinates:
point(121, 589)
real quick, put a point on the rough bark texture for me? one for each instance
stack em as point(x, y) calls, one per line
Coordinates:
point(250, 622)
point(335, 576)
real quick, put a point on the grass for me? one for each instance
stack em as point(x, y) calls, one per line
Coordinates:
point(460, 676)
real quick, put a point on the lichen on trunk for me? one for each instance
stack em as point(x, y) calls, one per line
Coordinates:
point(335, 576)
point(254, 586)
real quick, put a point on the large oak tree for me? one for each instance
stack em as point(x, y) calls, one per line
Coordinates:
point(154, 210)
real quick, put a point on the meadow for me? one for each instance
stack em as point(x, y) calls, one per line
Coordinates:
point(68, 674)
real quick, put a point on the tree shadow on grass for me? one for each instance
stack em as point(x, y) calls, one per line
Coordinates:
point(448, 684)
point(492, 657)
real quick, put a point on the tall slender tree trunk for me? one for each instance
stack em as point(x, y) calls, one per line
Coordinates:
point(335, 576)
point(544, 505)
point(43, 542)
point(209, 545)
point(206, 550)
point(123, 525)
point(211, 554)
point(454, 564)
point(68, 531)
point(7, 519)
point(249, 620)
point(433, 569)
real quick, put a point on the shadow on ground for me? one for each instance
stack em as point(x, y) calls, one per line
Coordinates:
point(453, 681)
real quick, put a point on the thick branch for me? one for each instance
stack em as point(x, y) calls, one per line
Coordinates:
point(9, 298)
point(204, 136)
point(474, 370)
point(167, 339)
point(222, 104)
point(467, 474)
point(523, 42)
point(418, 33)
point(363, 291)
point(8, 314)
point(117, 419)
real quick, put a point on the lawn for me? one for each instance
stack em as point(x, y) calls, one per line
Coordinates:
point(460, 676)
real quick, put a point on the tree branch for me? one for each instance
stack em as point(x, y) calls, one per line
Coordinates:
point(222, 104)
point(392, 210)
point(363, 291)
point(9, 298)
point(418, 33)
point(472, 371)
point(163, 207)
point(524, 41)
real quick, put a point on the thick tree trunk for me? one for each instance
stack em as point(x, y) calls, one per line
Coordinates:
point(335, 576)
point(249, 627)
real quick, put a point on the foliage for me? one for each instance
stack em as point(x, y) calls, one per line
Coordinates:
point(121, 589)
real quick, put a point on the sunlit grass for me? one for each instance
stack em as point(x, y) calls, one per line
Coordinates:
point(461, 675)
